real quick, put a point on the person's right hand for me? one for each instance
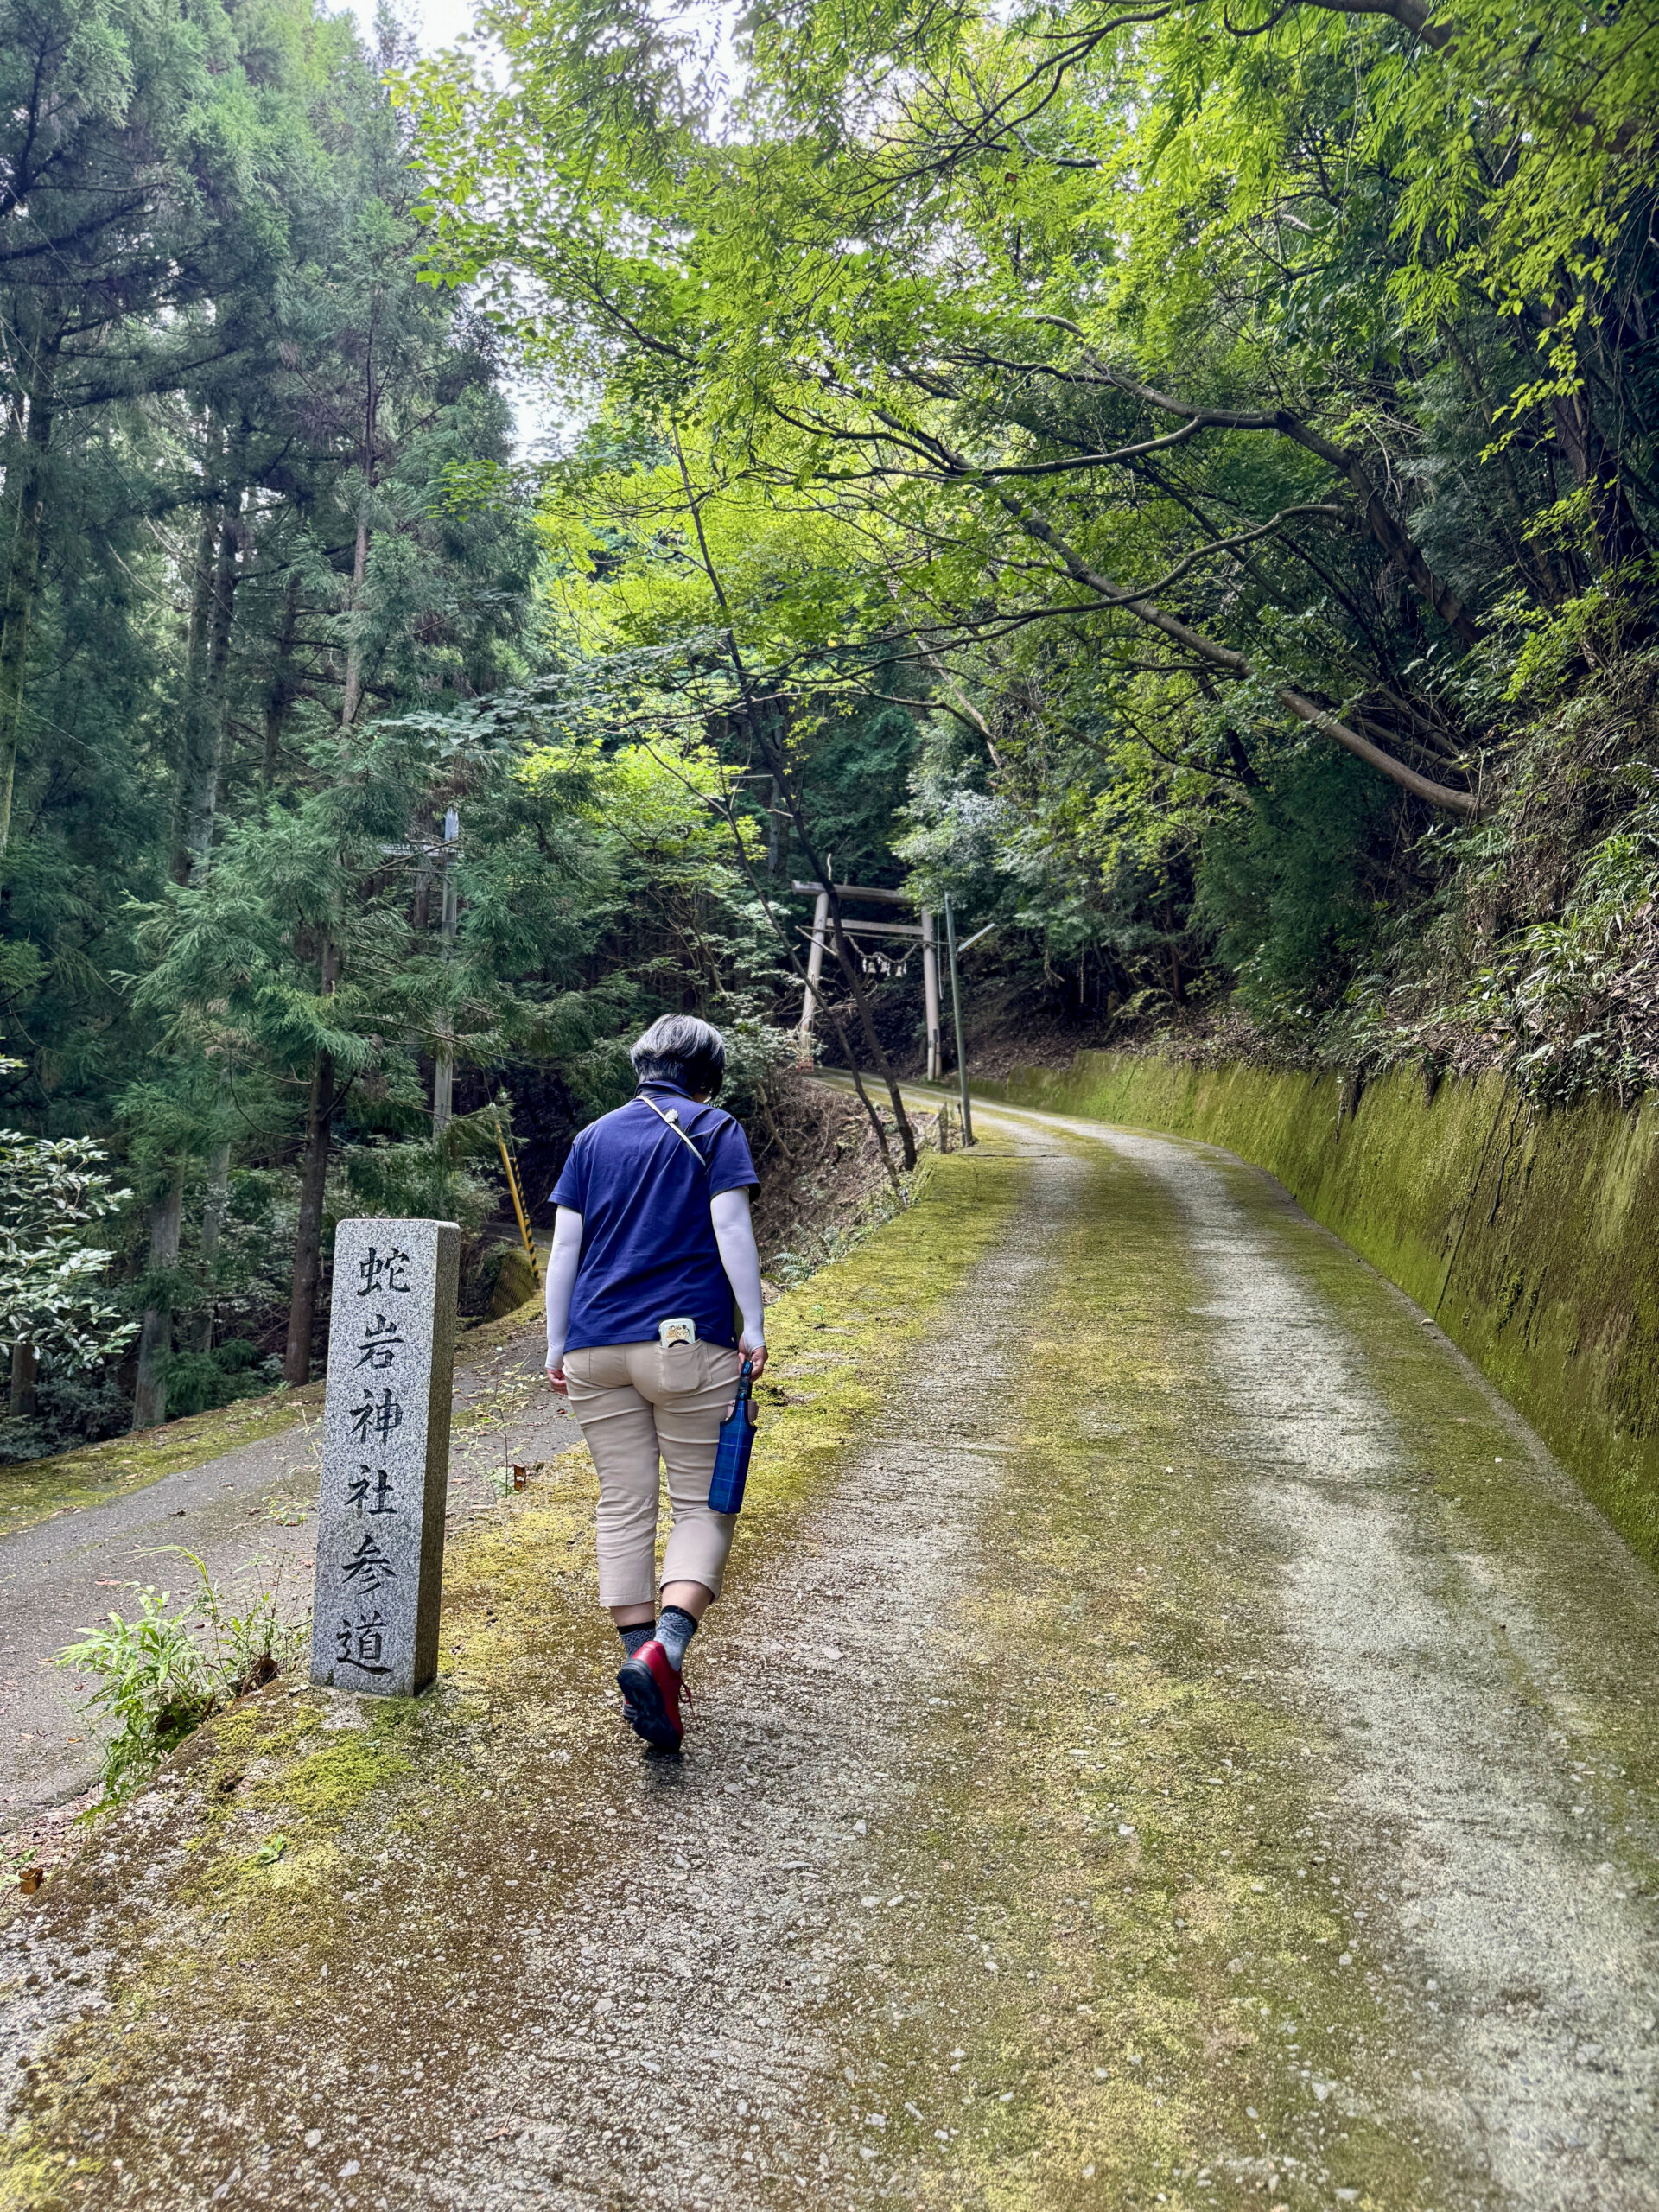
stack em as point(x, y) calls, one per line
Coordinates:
point(757, 1352)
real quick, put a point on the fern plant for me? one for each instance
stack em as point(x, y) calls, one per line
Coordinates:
point(160, 1675)
point(153, 1681)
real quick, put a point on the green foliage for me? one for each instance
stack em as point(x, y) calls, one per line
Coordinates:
point(436, 1176)
point(1568, 1001)
point(160, 1675)
point(1291, 883)
point(51, 1192)
point(1164, 480)
point(1211, 387)
point(199, 1381)
point(153, 1686)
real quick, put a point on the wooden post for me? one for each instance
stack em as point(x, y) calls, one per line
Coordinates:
point(443, 1065)
point(955, 1010)
point(519, 1202)
point(814, 971)
point(930, 990)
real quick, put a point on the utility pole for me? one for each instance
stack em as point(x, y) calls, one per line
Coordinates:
point(443, 1065)
point(956, 1015)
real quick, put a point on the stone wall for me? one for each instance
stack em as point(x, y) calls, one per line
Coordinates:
point(517, 1282)
point(1531, 1236)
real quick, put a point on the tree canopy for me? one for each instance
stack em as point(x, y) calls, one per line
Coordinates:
point(1177, 480)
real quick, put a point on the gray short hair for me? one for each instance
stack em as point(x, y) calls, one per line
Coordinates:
point(681, 1050)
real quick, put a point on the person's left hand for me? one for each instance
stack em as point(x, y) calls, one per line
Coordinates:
point(555, 1380)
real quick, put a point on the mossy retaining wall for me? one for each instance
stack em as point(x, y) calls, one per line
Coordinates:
point(1531, 1236)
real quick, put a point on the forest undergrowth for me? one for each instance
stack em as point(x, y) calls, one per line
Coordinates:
point(1530, 945)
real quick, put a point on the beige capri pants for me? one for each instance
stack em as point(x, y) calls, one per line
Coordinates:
point(636, 1403)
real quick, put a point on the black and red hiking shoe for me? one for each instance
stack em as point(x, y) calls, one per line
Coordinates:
point(651, 1697)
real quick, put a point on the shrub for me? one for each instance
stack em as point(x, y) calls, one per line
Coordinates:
point(159, 1675)
point(199, 1381)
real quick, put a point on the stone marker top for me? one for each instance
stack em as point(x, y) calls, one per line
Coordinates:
point(390, 1324)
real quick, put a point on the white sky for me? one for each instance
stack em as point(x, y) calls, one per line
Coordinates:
point(439, 23)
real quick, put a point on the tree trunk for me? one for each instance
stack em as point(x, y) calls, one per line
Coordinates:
point(192, 695)
point(203, 798)
point(444, 1055)
point(25, 511)
point(213, 1211)
point(283, 684)
point(308, 1238)
point(25, 1365)
point(353, 691)
point(352, 694)
point(156, 1337)
point(1618, 534)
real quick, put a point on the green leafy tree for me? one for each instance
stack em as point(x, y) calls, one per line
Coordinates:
point(1232, 384)
point(53, 1305)
point(136, 156)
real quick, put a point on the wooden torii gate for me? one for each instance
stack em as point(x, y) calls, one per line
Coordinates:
point(927, 930)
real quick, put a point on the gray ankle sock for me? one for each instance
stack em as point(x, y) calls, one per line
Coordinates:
point(636, 1636)
point(674, 1630)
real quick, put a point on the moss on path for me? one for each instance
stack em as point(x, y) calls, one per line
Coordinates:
point(307, 1837)
point(1528, 1232)
point(1219, 1787)
point(34, 1489)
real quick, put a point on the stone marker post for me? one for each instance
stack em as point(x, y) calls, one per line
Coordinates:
point(386, 1456)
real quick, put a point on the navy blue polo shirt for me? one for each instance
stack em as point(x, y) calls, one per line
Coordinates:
point(648, 1249)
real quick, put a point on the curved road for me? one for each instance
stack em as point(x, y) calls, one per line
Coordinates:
point(248, 1517)
point(1198, 1749)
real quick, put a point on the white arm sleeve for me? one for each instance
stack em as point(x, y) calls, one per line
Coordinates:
point(561, 1263)
point(734, 1234)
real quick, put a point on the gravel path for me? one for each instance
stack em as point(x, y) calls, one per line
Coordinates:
point(1529, 1960)
point(750, 1909)
point(1428, 1653)
point(1196, 1749)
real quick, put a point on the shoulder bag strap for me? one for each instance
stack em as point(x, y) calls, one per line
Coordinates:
point(671, 1121)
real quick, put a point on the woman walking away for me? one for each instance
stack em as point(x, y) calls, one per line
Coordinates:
point(651, 1248)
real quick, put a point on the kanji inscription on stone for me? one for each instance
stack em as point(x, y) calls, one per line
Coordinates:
point(386, 1456)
